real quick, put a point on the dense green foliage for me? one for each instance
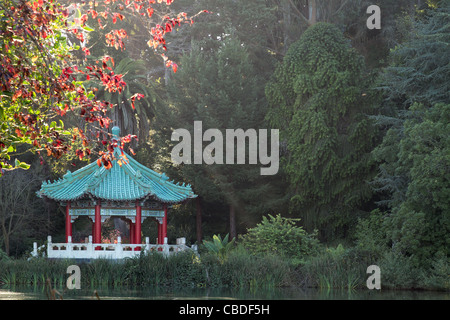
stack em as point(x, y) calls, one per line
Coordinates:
point(221, 88)
point(181, 270)
point(317, 97)
point(278, 235)
point(413, 180)
point(421, 226)
point(220, 247)
point(364, 146)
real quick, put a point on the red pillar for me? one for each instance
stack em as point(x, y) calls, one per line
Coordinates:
point(164, 225)
point(131, 232)
point(137, 231)
point(98, 224)
point(159, 232)
point(93, 231)
point(68, 222)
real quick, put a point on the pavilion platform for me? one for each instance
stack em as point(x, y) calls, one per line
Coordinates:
point(113, 251)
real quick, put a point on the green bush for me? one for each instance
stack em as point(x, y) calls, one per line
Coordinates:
point(281, 236)
point(438, 276)
point(220, 248)
point(371, 232)
point(398, 271)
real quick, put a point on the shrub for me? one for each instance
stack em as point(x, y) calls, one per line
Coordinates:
point(371, 232)
point(438, 275)
point(398, 271)
point(278, 235)
point(220, 248)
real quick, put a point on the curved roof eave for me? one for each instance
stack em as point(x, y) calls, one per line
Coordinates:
point(141, 182)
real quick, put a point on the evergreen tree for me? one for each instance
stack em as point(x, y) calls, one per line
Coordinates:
point(413, 158)
point(220, 88)
point(420, 225)
point(418, 73)
point(317, 99)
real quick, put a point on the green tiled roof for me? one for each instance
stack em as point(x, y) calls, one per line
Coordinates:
point(131, 181)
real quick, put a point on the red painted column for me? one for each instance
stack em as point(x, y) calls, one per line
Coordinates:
point(164, 225)
point(98, 224)
point(137, 231)
point(93, 231)
point(159, 232)
point(68, 222)
point(131, 232)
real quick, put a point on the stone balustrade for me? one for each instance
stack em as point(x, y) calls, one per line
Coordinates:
point(112, 251)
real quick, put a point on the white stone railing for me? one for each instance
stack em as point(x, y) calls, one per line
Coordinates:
point(113, 251)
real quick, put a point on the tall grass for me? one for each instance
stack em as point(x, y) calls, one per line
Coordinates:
point(338, 268)
point(181, 270)
point(334, 268)
point(34, 272)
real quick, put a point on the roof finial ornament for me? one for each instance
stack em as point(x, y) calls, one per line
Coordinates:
point(115, 132)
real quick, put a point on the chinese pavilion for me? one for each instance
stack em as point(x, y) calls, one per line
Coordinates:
point(128, 190)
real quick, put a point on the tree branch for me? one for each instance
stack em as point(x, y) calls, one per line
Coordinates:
point(299, 13)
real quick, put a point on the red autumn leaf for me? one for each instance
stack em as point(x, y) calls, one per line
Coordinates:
point(105, 59)
point(80, 154)
point(107, 164)
point(80, 37)
point(134, 97)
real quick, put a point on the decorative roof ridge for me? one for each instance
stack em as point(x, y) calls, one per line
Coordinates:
point(97, 178)
point(161, 176)
point(136, 175)
point(145, 169)
point(68, 177)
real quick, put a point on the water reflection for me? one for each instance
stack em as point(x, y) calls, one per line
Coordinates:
point(161, 293)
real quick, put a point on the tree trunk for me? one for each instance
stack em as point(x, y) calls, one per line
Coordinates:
point(232, 222)
point(166, 74)
point(312, 12)
point(199, 220)
point(286, 25)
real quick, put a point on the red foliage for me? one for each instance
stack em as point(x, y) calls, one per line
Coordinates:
point(32, 23)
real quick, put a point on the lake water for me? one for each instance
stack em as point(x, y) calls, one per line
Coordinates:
point(38, 293)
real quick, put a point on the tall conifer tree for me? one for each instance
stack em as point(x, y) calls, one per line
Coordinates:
point(220, 88)
point(317, 98)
